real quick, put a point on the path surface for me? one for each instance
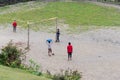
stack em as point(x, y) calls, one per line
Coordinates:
point(96, 53)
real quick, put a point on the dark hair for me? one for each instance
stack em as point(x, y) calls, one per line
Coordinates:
point(48, 41)
point(58, 30)
point(69, 43)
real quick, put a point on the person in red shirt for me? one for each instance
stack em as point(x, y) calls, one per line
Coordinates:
point(14, 24)
point(69, 51)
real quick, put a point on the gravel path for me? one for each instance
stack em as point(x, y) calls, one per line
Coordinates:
point(96, 53)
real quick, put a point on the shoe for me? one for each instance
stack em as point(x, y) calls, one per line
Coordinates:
point(49, 55)
point(53, 54)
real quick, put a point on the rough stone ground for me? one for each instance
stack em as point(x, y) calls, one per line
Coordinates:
point(96, 53)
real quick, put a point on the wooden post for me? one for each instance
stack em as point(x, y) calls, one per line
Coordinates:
point(56, 23)
point(28, 45)
point(56, 28)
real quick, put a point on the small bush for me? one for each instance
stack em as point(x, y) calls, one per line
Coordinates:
point(34, 68)
point(65, 75)
point(11, 55)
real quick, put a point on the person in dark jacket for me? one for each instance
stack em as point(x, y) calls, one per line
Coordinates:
point(57, 35)
point(69, 51)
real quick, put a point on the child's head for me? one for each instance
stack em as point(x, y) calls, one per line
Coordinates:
point(49, 40)
point(69, 43)
point(58, 29)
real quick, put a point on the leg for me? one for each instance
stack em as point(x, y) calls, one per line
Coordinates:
point(70, 56)
point(14, 29)
point(49, 51)
point(58, 38)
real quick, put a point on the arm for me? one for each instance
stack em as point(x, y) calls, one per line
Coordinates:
point(72, 48)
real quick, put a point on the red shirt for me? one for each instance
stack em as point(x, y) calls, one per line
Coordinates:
point(69, 48)
point(14, 24)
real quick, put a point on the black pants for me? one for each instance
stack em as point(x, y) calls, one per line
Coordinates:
point(69, 55)
point(57, 38)
point(14, 29)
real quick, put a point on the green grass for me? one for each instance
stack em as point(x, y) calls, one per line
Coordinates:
point(16, 74)
point(72, 13)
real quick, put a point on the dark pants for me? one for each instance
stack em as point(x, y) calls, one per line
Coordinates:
point(69, 55)
point(49, 50)
point(14, 29)
point(57, 38)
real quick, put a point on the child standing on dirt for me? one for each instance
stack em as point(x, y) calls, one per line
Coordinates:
point(49, 43)
point(14, 24)
point(57, 35)
point(69, 51)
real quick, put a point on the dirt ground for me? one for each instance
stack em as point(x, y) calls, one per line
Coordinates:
point(96, 53)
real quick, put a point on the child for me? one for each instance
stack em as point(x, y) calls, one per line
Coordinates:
point(49, 43)
point(69, 51)
point(57, 35)
point(14, 24)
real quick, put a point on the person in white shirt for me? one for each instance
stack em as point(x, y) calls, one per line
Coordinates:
point(49, 43)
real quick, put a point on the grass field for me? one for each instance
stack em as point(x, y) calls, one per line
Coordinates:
point(16, 74)
point(72, 13)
